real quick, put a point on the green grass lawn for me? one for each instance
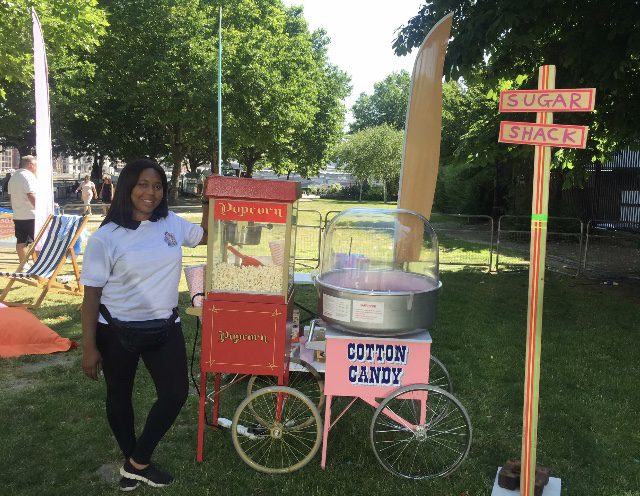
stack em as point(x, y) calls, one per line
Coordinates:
point(55, 437)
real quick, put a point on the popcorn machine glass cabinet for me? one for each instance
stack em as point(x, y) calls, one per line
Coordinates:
point(253, 246)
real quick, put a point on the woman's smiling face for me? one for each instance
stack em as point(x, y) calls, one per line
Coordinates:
point(146, 195)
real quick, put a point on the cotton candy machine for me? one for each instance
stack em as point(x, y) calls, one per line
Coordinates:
point(379, 273)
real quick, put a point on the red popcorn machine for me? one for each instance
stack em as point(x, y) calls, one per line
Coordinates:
point(247, 319)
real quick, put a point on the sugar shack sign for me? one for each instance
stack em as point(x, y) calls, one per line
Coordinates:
point(548, 100)
point(544, 134)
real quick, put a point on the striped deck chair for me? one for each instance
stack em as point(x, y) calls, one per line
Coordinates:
point(62, 232)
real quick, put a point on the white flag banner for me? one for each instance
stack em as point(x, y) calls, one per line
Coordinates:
point(44, 193)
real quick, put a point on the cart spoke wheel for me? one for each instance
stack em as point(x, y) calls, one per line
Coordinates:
point(309, 382)
point(420, 432)
point(262, 433)
point(439, 375)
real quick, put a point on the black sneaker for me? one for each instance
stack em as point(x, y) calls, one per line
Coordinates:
point(151, 475)
point(127, 484)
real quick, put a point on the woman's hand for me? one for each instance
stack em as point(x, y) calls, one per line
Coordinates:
point(91, 362)
point(91, 358)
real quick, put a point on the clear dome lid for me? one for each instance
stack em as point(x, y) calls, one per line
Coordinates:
point(380, 250)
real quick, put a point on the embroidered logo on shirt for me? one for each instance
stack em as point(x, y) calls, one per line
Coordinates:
point(170, 239)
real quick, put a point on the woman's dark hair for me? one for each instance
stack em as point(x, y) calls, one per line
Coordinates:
point(121, 210)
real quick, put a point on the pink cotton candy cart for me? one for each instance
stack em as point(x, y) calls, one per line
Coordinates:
point(377, 294)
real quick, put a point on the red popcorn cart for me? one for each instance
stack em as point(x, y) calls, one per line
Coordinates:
point(247, 322)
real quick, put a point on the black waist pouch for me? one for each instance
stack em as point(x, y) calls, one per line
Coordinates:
point(143, 335)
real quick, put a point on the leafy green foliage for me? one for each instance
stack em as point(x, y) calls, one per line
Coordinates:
point(375, 153)
point(152, 85)
point(73, 29)
point(387, 104)
point(593, 44)
point(476, 170)
point(310, 147)
point(156, 73)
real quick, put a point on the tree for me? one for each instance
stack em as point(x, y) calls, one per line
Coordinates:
point(310, 148)
point(374, 153)
point(387, 104)
point(72, 29)
point(270, 93)
point(592, 44)
point(152, 93)
point(475, 169)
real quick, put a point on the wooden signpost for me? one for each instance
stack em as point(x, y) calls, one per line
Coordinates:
point(543, 134)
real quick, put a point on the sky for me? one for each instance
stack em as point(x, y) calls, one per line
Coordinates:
point(361, 33)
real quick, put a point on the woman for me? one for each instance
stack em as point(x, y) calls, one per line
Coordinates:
point(88, 189)
point(106, 194)
point(131, 272)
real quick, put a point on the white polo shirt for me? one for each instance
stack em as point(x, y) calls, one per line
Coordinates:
point(139, 269)
point(23, 181)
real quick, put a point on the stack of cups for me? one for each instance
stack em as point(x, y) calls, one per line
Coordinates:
point(195, 282)
point(277, 251)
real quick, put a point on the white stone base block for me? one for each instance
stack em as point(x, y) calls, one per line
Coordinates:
point(551, 489)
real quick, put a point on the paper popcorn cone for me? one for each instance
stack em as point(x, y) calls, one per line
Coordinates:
point(277, 251)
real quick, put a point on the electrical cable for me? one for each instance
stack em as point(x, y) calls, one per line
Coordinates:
point(193, 358)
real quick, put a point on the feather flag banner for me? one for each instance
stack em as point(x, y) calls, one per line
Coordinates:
point(44, 193)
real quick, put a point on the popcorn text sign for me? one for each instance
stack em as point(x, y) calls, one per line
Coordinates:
point(250, 211)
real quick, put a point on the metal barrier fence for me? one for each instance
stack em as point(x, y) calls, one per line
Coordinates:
point(612, 249)
point(464, 240)
point(328, 217)
point(602, 248)
point(66, 188)
point(564, 243)
point(308, 239)
point(79, 208)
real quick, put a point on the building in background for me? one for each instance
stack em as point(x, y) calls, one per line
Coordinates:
point(9, 160)
point(73, 166)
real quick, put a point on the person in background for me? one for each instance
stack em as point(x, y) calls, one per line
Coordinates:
point(5, 185)
point(22, 188)
point(106, 194)
point(131, 269)
point(88, 189)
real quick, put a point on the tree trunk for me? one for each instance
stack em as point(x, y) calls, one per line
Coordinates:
point(28, 147)
point(213, 158)
point(175, 178)
point(249, 163)
point(250, 157)
point(177, 155)
point(96, 170)
point(384, 191)
point(360, 196)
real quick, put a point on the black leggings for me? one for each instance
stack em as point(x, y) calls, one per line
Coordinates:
point(168, 368)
